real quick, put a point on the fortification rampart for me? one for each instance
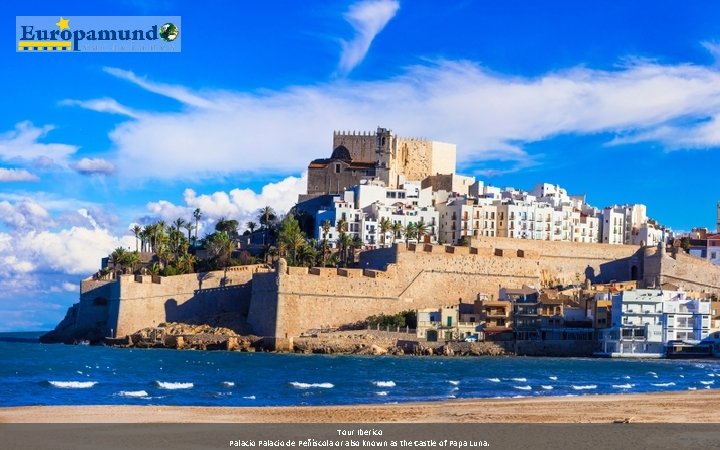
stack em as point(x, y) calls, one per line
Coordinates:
point(132, 302)
point(688, 272)
point(420, 276)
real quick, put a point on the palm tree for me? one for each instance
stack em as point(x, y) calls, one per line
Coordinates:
point(178, 223)
point(421, 229)
point(117, 257)
point(189, 227)
point(306, 255)
point(266, 217)
point(397, 230)
point(132, 259)
point(385, 226)
point(220, 247)
point(251, 226)
point(410, 232)
point(344, 241)
point(136, 229)
point(196, 214)
point(356, 244)
point(325, 225)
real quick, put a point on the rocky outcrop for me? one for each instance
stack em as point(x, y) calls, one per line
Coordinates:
point(187, 336)
point(367, 343)
point(68, 332)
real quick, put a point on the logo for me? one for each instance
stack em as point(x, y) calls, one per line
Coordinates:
point(97, 34)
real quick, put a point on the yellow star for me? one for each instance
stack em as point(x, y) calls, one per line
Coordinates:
point(64, 24)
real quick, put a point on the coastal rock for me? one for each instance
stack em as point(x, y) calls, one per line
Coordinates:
point(377, 350)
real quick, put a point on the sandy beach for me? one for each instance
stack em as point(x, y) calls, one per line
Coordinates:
point(673, 407)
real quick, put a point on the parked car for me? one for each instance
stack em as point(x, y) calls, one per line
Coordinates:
point(471, 339)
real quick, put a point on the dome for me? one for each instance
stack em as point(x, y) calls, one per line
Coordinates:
point(341, 152)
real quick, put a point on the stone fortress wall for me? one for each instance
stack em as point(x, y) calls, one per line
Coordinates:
point(289, 301)
point(123, 306)
point(422, 276)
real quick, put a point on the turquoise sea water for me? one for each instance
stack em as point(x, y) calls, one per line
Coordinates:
point(37, 374)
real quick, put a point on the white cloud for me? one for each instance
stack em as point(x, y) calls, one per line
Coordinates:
point(239, 204)
point(367, 18)
point(92, 166)
point(21, 145)
point(24, 214)
point(178, 93)
point(12, 175)
point(70, 287)
point(108, 105)
point(488, 115)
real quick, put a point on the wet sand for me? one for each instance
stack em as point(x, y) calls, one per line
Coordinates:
point(669, 407)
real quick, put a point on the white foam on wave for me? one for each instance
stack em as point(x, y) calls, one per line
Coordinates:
point(170, 385)
point(523, 388)
point(73, 384)
point(250, 397)
point(663, 384)
point(494, 380)
point(299, 385)
point(228, 383)
point(518, 396)
point(708, 382)
point(384, 383)
point(692, 389)
point(381, 393)
point(547, 387)
point(454, 382)
point(711, 374)
point(133, 394)
point(522, 380)
point(451, 396)
point(627, 377)
point(553, 378)
point(623, 386)
point(653, 374)
point(582, 387)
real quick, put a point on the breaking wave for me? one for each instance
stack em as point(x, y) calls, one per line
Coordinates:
point(384, 383)
point(73, 384)
point(523, 388)
point(169, 385)
point(299, 385)
point(623, 386)
point(133, 394)
point(584, 386)
point(663, 384)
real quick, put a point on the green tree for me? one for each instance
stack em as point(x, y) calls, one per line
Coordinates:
point(421, 229)
point(219, 248)
point(385, 227)
point(227, 226)
point(137, 230)
point(251, 226)
point(397, 230)
point(266, 217)
point(196, 214)
point(290, 239)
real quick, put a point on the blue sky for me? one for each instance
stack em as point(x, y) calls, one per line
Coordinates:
point(619, 102)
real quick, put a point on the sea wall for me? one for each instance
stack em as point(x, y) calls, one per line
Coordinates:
point(424, 275)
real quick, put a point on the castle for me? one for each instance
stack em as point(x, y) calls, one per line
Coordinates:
point(286, 302)
point(367, 169)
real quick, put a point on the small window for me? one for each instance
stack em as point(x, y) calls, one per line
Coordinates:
point(337, 168)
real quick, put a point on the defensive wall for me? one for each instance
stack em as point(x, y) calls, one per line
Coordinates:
point(423, 275)
point(688, 272)
point(288, 301)
point(131, 302)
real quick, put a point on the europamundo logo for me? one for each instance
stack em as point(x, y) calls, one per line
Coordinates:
point(98, 34)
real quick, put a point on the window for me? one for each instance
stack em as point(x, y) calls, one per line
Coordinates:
point(337, 168)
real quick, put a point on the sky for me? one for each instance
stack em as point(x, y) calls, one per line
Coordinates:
point(619, 101)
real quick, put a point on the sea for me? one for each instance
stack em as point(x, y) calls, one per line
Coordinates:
point(32, 373)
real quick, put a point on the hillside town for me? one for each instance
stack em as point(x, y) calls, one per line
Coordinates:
point(537, 272)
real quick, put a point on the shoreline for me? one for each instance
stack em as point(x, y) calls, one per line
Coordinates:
point(664, 407)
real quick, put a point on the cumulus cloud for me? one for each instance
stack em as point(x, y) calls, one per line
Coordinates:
point(12, 175)
point(367, 18)
point(239, 204)
point(489, 116)
point(94, 166)
point(22, 145)
point(24, 214)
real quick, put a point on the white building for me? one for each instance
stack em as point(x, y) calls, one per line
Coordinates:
point(363, 207)
point(644, 321)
